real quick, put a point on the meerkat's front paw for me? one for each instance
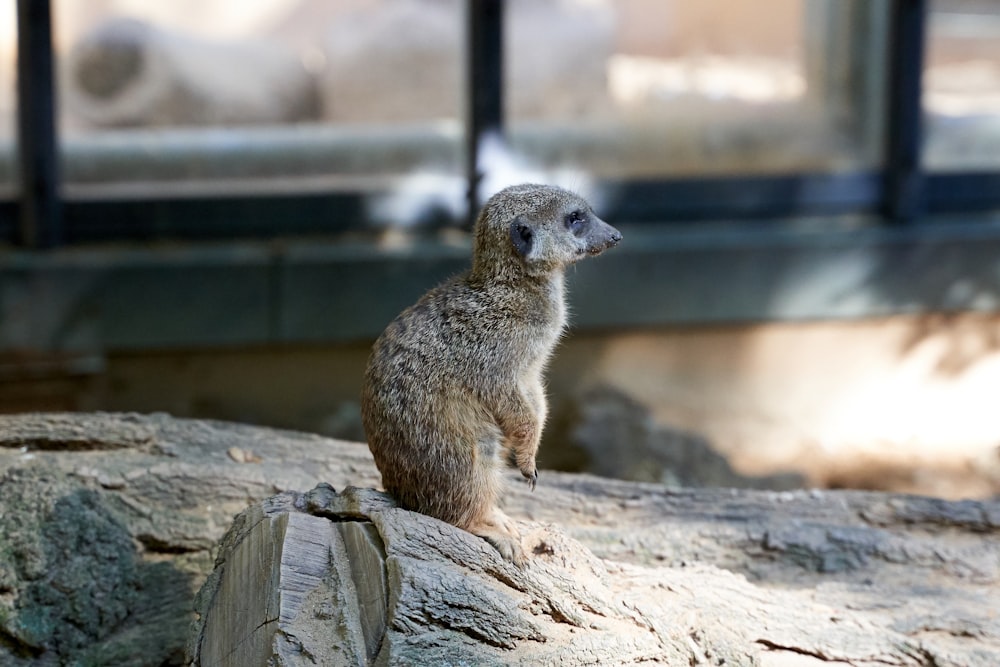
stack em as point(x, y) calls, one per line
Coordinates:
point(526, 464)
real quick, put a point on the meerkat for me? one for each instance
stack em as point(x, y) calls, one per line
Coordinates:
point(454, 385)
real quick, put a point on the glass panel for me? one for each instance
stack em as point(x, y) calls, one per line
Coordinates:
point(962, 86)
point(272, 95)
point(653, 88)
point(8, 96)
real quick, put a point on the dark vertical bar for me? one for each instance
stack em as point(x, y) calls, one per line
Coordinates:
point(41, 215)
point(904, 190)
point(484, 69)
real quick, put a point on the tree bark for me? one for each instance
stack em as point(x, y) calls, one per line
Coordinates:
point(109, 524)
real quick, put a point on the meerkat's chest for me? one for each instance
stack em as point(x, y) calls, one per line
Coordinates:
point(552, 319)
point(557, 304)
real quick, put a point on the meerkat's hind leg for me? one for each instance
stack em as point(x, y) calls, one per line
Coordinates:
point(479, 498)
point(499, 530)
point(489, 522)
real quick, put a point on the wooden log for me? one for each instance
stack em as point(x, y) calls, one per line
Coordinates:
point(109, 524)
point(417, 591)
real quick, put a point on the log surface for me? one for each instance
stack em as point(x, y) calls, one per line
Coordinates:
point(110, 524)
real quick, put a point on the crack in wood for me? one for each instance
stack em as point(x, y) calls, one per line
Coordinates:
point(774, 646)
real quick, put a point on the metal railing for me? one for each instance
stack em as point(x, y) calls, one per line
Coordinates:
point(900, 191)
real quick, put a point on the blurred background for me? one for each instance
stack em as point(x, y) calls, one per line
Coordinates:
point(211, 208)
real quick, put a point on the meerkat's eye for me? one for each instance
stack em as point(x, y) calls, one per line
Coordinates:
point(576, 221)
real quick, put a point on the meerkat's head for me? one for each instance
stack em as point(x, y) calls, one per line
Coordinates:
point(541, 228)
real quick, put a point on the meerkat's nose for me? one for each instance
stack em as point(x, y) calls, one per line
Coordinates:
point(611, 236)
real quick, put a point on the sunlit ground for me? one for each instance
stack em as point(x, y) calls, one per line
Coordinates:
point(903, 404)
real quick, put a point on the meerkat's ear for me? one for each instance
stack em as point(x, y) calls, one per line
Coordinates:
point(522, 236)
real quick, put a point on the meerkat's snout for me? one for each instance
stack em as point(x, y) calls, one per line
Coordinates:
point(605, 237)
point(600, 236)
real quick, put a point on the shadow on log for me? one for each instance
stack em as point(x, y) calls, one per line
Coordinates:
point(620, 572)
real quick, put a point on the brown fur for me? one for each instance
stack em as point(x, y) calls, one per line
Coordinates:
point(455, 381)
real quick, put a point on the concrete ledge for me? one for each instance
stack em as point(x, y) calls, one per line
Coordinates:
point(260, 293)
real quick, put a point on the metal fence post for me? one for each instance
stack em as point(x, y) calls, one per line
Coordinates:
point(904, 193)
point(40, 207)
point(484, 87)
